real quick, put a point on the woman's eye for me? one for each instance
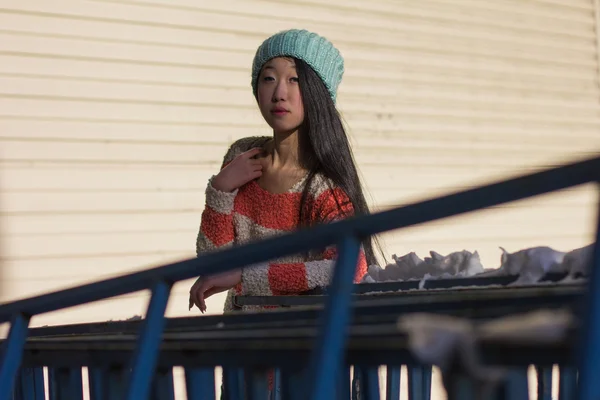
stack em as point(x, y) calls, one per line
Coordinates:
point(268, 78)
point(295, 79)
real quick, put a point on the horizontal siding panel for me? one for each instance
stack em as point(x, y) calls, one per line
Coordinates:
point(227, 60)
point(462, 81)
point(212, 155)
point(219, 134)
point(406, 118)
point(428, 40)
point(406, 134)
point(408, 14)
point(102, 178)
point(567, 4)
point(118, 180)
point(406, 48)
point(502, 100)
point(79, 269)
point(487, 107)
point(388, 6)
point(367, 82)
point(557, 203)
point(79, 108)
point(111, 243)
point(30, 202)
point(256, 26)
point(133, 221)
point(123, 52)
point(122, 153)
point(403, 85)
point(577, 51)
point(471, 11)
point(57, 25)
point(357, 117)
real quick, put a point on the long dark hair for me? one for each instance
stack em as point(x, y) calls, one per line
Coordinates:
point(324, 149)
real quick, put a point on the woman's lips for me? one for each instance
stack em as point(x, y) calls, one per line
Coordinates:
point(279, 111)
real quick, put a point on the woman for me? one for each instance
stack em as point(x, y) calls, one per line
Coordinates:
point(301, 176)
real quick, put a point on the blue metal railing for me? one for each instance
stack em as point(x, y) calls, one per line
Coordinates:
point(326, 356)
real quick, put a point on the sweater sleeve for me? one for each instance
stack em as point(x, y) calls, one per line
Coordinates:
point(275, 278)
point(216, 226)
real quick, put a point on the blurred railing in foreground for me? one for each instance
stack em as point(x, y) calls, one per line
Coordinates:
point(311, 350)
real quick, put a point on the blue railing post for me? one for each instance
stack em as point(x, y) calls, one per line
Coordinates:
point(415, 382)
point(163, 386)
point(12, 353)
point(30, 384)
point(257, 385)
point(589, 343)
point(343, 385)
point(516, 384)
point(291, 381)
point(326, 359)
point(393, 382)
point(65, 383)
point(367, 383)
point(106, 382)
point(276, 392)
point(200, 383)
point(146, 353)
point(567, 383)
point(234, 382)
point(544, 380)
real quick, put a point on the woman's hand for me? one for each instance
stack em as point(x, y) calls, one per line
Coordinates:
point(238, 172)
point(204, 287)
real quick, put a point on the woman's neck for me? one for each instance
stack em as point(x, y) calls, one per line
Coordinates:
point(285, 150)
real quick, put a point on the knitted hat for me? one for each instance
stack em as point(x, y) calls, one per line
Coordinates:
point(315, 50)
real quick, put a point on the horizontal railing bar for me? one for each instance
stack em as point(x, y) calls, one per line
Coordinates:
point(505, 191)
point(471, 301)
point(215, 340)
point(379, 343)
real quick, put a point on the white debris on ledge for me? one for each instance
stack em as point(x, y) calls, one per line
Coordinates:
point(530, 265)
point(411, 267)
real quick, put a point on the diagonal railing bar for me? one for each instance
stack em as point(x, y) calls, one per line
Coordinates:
point(12, 352)
point(327, 355)
point(146, 354)
point(530, 185)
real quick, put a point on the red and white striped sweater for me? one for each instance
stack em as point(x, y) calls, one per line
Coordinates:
point(251, 213)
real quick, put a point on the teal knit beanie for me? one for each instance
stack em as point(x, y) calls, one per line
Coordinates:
point(315, 50)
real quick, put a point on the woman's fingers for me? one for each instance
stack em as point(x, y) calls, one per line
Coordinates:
point(197, 293)
point(252, 152)
point(193, 290)
point(200, 297)
point(256, 174)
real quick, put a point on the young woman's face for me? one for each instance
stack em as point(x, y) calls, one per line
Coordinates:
point(279, 96)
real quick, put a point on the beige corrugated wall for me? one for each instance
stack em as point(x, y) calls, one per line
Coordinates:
point(113, 114)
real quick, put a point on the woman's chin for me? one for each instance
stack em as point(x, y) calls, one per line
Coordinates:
point(284, 129)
